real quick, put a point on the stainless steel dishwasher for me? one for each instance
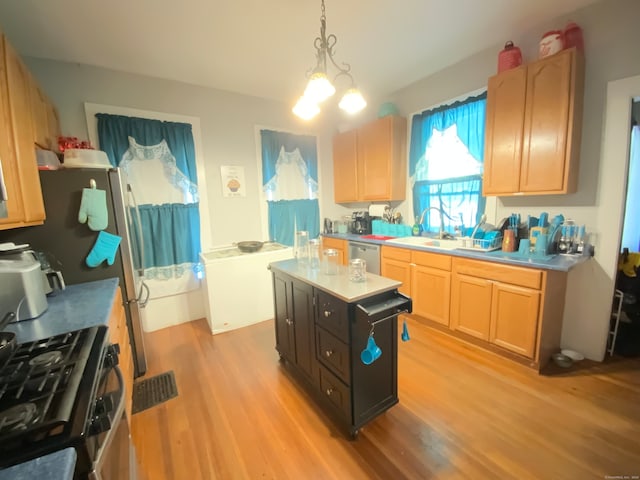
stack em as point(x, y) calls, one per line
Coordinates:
point(368, 252)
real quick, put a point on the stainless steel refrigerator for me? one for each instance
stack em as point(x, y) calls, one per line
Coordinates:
point(66, 242)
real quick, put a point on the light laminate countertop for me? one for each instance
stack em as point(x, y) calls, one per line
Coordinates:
point(562, 263)
point(337, 285)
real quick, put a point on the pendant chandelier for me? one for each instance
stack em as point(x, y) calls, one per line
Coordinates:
point(320, 87)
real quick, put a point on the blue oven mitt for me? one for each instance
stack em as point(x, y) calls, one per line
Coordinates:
point(93, 208)
point(105, 248)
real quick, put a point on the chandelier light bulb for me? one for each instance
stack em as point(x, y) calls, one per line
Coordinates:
point(305, 108)
point(352, 101)
point(319, 88)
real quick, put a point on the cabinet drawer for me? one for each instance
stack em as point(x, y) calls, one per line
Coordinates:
point(524, 277)
point(396, 253)
point(336, 392)
point(334, 354)
point(433, 260)
point(333, 316)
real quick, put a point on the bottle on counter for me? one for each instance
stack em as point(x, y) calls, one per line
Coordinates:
point(416, 230)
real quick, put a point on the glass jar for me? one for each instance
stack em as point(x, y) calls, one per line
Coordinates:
point(314, 253)
point(357, 270)
point(301, 246)
point(330, 261)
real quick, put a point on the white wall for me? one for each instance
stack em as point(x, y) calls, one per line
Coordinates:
point(611, 51)
point(227, 122)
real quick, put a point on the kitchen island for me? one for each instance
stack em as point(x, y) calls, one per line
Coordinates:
point(323, 323)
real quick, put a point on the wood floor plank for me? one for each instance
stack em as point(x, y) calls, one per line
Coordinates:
point(463, 413)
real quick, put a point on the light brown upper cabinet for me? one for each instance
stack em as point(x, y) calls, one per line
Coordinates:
point(534, 122)
point(370, 163)
point(17, 150)
point(44, 118)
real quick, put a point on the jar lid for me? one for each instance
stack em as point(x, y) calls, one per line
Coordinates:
point(552, 32)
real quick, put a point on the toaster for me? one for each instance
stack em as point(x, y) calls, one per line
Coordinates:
point(22, 289)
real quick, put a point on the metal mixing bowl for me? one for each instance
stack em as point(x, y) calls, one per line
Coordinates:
point(562, 360)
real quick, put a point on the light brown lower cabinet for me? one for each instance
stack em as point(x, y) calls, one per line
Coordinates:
point(119, 333)
point(425, 277)
point(508, 309)
point(339, 244)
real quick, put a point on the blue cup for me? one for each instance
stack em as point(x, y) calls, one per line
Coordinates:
point(371, 353)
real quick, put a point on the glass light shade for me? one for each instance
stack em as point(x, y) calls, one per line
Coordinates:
point(352, 101)
point(319, 87)
point(305, 108)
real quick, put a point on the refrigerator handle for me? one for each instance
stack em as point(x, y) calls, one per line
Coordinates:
point(143, 287)
point(138, 230)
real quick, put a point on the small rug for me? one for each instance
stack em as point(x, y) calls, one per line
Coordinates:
point(153, 391)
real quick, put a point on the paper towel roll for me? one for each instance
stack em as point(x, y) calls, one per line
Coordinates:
point(377, 210)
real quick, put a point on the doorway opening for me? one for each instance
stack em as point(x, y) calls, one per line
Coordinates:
point(624, 338)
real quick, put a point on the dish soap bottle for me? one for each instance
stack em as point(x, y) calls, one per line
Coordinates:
point(416, 230)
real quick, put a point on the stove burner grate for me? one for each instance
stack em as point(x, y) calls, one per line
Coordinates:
point(46, 359)
point(18, 417)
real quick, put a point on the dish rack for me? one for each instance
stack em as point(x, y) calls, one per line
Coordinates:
point(481, 244)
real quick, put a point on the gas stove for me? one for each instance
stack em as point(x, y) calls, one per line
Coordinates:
point(48, 391)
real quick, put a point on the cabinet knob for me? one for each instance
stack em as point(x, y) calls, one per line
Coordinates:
point(329, 391)
point(328, 353)
point(289, 321)
point(327, 313)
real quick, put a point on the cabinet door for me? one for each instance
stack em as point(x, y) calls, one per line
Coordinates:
point(53, 126)
point(18, 79)
point(304, 333)
point(430, 292)
point(337, 244)
point(283, 310)
point(503, 137)
point(381, 157)
point(471, 305)
point(345, 167)
point(8, 159)
point(546, 123)
point(119, 333)
point(400, 271)
point(39, 102)
point(514, 318)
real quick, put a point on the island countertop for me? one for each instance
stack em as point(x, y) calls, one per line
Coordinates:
point(337, 285)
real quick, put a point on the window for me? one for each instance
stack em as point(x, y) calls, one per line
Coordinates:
point(290, 184)
point(446, 164)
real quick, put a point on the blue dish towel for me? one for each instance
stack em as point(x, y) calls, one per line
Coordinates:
point(93, 209)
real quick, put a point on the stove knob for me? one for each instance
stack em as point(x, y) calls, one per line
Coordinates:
point(103, 406)
point(100, 424)
point(111, 355)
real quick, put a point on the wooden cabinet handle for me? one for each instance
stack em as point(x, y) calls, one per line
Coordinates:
point(328, 353)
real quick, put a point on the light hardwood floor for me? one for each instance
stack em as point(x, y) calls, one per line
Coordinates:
point(463, 413)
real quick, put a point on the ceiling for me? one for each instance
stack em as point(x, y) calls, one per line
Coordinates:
point(264, 48)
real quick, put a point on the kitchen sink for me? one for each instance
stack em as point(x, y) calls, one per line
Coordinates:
point(441, 244)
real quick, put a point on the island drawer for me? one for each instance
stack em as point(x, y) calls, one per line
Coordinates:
point(333, 354)
point(336, 392)
point(333, 315)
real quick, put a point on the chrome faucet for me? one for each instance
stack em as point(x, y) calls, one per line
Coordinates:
point(442, 234)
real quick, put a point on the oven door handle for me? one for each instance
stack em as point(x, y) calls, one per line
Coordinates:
point(119, 410)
